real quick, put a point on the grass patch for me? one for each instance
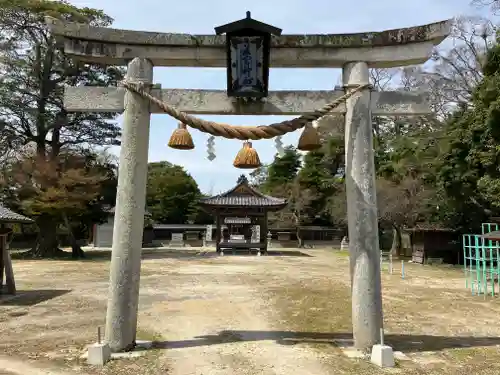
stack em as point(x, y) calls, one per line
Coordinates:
point(342, 253)
point(320, 308)
point(318, 314)
point(148, 335)
point(105, 255)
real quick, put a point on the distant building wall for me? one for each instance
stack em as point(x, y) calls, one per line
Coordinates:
point(193, 234)
point(103, 233)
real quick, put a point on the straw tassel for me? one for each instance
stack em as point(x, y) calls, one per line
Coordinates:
point(181, 139)
point(247, 157)
point(309, 139)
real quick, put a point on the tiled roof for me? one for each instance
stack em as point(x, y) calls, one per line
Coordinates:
point(8, 216)
point(243, 195)
point(243, 201)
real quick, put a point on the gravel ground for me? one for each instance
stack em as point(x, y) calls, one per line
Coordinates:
point(245, 315)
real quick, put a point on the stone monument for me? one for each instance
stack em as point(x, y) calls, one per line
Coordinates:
point(208, 233)
point(255, 233)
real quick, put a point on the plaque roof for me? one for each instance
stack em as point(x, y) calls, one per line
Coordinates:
point(247, 23)
point(237, 220)
point(243, 195)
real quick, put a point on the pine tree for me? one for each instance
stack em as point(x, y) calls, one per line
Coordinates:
point(33, 73)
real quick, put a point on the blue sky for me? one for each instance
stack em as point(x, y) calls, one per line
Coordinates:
point(294, 17)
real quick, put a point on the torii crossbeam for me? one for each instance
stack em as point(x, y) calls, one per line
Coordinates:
point(354, 53)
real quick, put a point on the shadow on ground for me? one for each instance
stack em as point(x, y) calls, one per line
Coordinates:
point(31, 297)
point(271, 253)
point(184, 254)
point(155, 253)
point(105, 255)
point(404, 343)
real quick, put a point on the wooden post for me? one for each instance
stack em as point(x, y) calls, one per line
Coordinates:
point(262, 234)
point(2, 266)
point(264, 230)
point(217, 231)
point(7, 264)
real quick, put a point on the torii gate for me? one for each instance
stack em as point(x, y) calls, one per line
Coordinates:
point(354, 53)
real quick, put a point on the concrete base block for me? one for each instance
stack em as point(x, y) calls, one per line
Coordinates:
point(98, 354)
point(92, 354)
point(382, 356)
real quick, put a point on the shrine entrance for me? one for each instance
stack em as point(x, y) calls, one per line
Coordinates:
point(247, 50)
point(8, 217)
point(241, 217)
point(238, 226)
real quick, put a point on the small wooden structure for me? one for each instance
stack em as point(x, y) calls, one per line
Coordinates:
point(239, 209)
point(432, 244)
point(8, 217)
point(492, 236)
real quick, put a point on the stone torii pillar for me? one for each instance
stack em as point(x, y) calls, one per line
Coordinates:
point(390, 48)
point(364, 252)
point(125, 270)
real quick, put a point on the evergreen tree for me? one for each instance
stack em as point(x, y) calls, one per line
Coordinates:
point(283, 169)
point(470, 172)
point(172, 194)
point(34, 71)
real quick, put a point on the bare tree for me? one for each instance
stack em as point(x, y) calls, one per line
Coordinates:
point(296, 213)
point(337, 206)
point(494, 5)
point(402, 204)
point(457, 66)
point(383, 79)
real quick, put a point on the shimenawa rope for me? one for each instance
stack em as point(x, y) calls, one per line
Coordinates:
point(240, 132)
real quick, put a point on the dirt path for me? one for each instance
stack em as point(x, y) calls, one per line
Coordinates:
point(224, 328)
point(11, 366)
point(223, 315)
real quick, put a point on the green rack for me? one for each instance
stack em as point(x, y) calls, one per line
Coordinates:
point(481, 262)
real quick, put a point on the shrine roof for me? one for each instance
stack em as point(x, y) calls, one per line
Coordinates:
point(8, 216)
point(243, 195)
